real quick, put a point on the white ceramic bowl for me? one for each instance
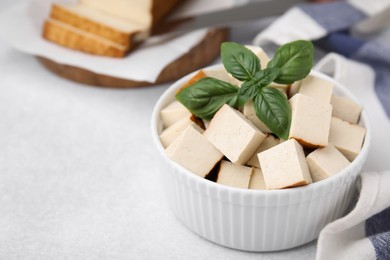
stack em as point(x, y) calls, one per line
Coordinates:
point(256, 220)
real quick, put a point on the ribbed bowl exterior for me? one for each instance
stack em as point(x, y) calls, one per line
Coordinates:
point(256, 220)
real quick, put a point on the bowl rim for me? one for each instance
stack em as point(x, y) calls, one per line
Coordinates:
point(168, 96)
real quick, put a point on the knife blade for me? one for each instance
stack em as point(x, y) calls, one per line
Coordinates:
point(243, 13)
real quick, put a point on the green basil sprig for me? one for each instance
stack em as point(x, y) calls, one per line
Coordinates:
point(291, 62)
point(294, 59)
point(239, 61)
point(206, 96)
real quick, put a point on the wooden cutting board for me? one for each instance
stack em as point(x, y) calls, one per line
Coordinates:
point(199, 56)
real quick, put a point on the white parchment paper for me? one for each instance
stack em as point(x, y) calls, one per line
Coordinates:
point(21, 26)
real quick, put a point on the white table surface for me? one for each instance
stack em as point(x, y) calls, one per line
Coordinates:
point(80, 177)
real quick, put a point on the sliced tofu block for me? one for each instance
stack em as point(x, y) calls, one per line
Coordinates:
point(284, 166)
point(294, 88)
point(173, 112)
point(346, 109)
point(257, 180)
point(269, 141)
point(222, 74)
point(192, 150)
point(234, 135)
point(250, 113)
point(310, 121)
point(264, 59)
point(98, 23)
point(234, 175)
point(317, 88)
point(325, 162)
point(171, 133)
point(74, 38)
point(346, 137)
point(146, 12)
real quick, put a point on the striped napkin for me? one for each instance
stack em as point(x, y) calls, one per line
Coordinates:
point(365, 232)
point(355, 36)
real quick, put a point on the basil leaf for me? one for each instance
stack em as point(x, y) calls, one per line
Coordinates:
point(247, 91)
point(294, 60)
point(206, 96)
point(272, 108)
point(239, 61)
point(267, 76)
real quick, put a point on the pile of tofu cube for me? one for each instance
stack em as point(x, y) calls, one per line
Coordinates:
point(324, 137)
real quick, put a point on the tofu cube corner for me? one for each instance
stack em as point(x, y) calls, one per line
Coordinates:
point(294, 88)
point(257, 180)
point(192, 151)
point(346, 137)
point(260, 53)
point(317, 88)
point(222, 74)
point(310, 121)
point(172, 113)
point(325, 162)
point(234, 175)
point(250, 113)
point(284, 166)
point(169, 134)
point(346, 109)
point(233, 135)
point(269, 141)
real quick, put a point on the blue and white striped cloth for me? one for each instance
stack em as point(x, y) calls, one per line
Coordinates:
point(356, 34)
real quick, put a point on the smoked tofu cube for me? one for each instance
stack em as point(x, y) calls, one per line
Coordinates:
point(346, 137)
point(198, 76)
point(269, 141)
point(257, 180)
point(234, 135)
point(192, 151)
point(172, 113)
point(222, 74)
point(345, 109)
point(310, 121)
point(317, 88)
point(284, 166)
point(218, 73)
point(234, 175)
point(171, 133)
point(325, 162)
point(250, 113)
point(259, 52)
point(294, 88)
